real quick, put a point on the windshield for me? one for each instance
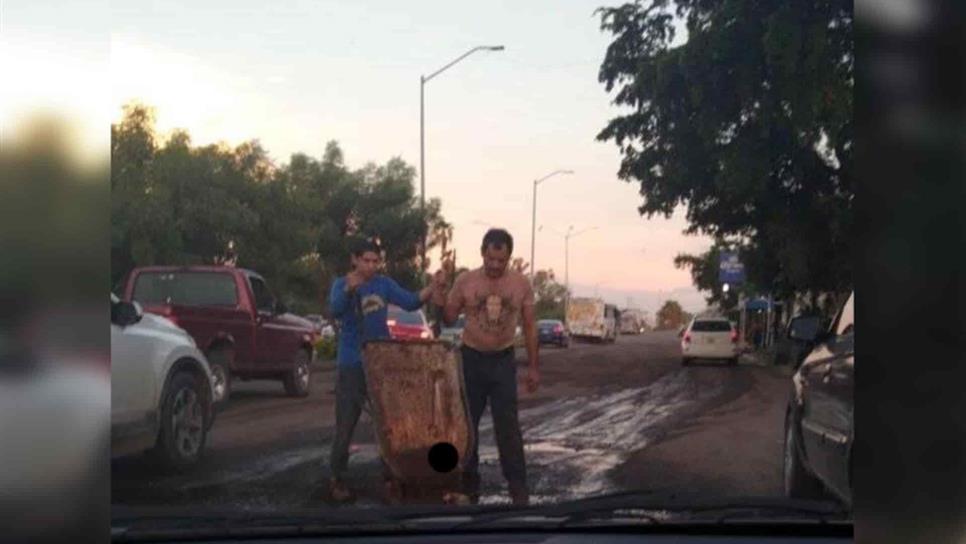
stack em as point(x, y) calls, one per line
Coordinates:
point(711, 326)
point(406, 318)
point(186, 288)
point(588, 186)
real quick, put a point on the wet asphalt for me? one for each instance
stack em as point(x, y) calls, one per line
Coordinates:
point(599, 406)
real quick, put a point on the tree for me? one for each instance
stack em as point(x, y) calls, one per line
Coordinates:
point(177, 203)
point(671, 316)
point(748, 123)
point(550, 296)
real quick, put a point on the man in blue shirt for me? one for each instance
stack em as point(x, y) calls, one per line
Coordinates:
point(360, 301)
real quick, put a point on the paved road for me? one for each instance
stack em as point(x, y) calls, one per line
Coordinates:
point(609, 417)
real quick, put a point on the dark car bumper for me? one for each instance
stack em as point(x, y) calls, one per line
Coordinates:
point(551, 338)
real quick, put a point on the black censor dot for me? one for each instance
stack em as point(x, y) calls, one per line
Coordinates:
point(443, 457)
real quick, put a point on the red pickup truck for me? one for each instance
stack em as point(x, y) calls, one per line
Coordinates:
point(243, 330)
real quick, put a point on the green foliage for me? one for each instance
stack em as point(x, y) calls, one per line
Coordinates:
point(326, 348)
point(176, 203)
point(748, 123)
point(671, 316)
point(550, 296)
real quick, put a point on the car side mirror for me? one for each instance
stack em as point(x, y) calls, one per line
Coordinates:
point(805, 329)
point(280, 307)
point(125, 314)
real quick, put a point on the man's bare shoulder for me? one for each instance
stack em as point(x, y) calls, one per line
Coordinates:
point(469, 275)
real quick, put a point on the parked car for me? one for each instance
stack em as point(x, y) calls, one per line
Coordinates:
point(632, 322)
point(162, 393)
point(454, 332)
point(797, 340)
point(819, 426)
point(552, 331)
point(405, 325)
point(237, 322)
point(709, 338)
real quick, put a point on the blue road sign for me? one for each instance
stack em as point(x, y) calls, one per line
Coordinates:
point(730, 269)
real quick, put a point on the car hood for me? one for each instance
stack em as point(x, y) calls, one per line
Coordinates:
point(165, 325)
point(293, 320)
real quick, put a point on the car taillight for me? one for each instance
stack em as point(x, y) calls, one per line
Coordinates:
point(426, 334)
point(687, 337)
point(558, 329)
point(734, 337)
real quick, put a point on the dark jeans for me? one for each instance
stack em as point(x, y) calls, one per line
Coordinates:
point(493, 377)
point(351, 396)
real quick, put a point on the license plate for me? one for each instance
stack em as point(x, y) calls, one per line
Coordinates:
point(710, 341)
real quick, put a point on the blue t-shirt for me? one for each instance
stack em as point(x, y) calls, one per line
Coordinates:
point(363, 314)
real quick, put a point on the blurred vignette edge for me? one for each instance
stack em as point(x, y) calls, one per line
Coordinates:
point(909, 450)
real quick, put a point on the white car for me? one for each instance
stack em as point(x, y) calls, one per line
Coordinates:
point(709, 338)
point(161, 388)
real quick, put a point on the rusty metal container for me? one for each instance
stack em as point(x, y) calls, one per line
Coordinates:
point(418, 401)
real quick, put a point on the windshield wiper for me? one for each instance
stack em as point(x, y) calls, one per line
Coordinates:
point(652, 509)
point(621, 509)
point(134, 527)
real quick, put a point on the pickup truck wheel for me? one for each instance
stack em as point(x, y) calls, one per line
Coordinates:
point(219, 360)
point(298, 379)
point(183, 429)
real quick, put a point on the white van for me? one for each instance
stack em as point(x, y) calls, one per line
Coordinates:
point(592, 319)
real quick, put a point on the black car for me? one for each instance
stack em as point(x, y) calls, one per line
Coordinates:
point(819, 418)
point(552, 331)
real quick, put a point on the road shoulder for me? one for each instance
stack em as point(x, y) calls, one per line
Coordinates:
point(734, 449)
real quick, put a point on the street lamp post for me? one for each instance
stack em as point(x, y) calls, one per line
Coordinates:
point(533, 220)
point(422, 137)
point(567, 236)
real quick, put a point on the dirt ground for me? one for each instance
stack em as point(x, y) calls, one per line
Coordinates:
point(608, 417)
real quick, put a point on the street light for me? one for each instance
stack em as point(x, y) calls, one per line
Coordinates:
point(567, 236)
point(533, 222)
point(422, 134)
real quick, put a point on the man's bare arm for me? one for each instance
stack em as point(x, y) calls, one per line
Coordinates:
point(454, 303)
point(533, 353)
point(452, 309)
point(530, 335)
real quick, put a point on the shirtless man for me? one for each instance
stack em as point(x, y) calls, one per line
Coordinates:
point(494, 300)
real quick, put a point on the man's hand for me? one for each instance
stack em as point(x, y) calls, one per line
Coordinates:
point(439, 285)
point(533, 380)
point(352, 281)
